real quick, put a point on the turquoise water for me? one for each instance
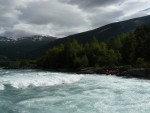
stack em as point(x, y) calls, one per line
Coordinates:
point(32, 91)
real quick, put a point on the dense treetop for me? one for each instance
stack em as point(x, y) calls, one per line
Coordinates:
point(128, 49)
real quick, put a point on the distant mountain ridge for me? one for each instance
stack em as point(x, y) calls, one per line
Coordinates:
point(2, 38)
point(29, 38)
point(34, 46)
point(25, 47)
point(106, 32)
point(112, 30)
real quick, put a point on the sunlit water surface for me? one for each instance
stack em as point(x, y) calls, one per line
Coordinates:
point(32, 91)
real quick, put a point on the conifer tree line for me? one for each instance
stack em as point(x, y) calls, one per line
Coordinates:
point(127, 49)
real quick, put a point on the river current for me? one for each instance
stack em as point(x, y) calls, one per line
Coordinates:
point(33, 91)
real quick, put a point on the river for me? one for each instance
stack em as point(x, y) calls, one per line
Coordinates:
point(33, 91)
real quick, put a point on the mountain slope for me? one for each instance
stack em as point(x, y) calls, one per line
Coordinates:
point(106, 32)
point(32, 47)
point(26, 47)
point(112, 30)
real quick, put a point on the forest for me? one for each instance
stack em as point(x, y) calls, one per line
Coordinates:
point(131, 48)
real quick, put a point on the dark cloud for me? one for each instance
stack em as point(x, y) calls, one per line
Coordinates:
point(92, 3)
point(64, 17)
point(52, 12)
point(8, 13)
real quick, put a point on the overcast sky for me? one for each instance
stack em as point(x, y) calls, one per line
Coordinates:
point(64, 17)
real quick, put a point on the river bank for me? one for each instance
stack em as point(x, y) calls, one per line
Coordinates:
point(123, 71)
point(142, 73)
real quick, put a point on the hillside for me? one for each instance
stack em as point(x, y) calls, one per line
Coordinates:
point(26, 47)
point(33, 47)
point(131, 49)
point(106, 32)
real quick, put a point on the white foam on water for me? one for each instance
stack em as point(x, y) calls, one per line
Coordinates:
point(1, 86)
point(37, 79)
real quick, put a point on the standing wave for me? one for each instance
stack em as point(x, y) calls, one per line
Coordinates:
point(27, 79)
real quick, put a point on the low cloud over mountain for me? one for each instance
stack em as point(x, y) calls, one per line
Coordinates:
point(64, 17)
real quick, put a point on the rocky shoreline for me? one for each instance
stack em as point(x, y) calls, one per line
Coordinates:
point(122, 71)
point(142, 73)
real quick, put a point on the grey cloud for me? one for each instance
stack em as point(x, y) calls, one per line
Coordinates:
point(136, 15)
point(64, 17)
point(16, 33)
point(104, 17)
point(9, 13)
point(52, 12)
point(147, 9)
point(65, 33)
point(92, 3)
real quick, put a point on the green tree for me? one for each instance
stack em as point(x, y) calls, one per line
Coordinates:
point(128, 49)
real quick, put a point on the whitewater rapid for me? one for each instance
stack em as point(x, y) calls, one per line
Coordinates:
point(33, 91)
point(27, 78)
